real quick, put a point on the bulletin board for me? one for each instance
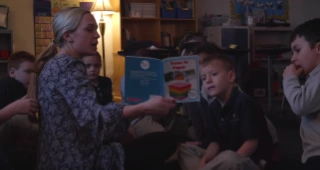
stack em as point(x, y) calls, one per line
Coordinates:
point(44, 11)
point(279, 9)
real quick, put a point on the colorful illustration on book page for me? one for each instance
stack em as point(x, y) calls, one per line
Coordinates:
point(181, 79)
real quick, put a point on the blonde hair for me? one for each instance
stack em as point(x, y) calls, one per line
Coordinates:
point(67, 20)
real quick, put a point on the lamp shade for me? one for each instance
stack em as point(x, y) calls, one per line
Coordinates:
point(103, 6)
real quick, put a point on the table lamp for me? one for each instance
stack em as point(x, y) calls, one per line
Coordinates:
point(104, 8)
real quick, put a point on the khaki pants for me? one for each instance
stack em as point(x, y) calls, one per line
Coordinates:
point(147, 125)
point(189, 157)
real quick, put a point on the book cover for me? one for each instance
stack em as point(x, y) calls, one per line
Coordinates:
point(175, 77)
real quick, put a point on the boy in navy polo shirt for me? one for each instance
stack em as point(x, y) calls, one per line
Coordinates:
point(102, 85)
point(237, 127)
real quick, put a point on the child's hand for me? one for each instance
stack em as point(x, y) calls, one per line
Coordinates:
point(132, 131)
point(292, 70)
point(158, 106)
point(202, 164)
point(25, 106)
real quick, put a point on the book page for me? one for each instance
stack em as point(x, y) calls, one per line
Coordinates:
point(143, 79)
point(181, 78)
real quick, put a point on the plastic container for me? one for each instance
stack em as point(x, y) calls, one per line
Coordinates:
point(168, 13)
point(184, 13)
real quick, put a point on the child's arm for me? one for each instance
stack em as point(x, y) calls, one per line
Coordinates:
point(122, 88)
point(23, 106)
point(211, 152)
point(302, 99)
point(248, 147)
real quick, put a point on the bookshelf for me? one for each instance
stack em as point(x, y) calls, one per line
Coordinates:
point(150, 28)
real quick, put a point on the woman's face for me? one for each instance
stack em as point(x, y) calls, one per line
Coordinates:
point(84, 39)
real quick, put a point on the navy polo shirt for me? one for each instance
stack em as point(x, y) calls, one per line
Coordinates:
point(10, 91)
point(240, 119)
point(104, 90)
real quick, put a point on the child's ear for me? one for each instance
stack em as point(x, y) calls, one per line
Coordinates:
point(11, 72)
point(317, 47)
point(232, 76)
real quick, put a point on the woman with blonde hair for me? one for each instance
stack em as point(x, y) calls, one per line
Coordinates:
point(75, 131)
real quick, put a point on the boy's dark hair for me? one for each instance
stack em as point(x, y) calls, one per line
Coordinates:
point(310, 30)
point(197, 48)
point(191, 38)
point(190, 48)
point(196, 37)
point(228, 63)
point(132, 47)
point(19, 57)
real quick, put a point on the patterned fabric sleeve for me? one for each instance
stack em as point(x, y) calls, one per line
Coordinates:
point(103, 122)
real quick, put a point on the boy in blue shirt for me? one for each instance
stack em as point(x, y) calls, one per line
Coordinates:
point(304, 98)
point(18, 131)
point(237, 127)
point(102, 85)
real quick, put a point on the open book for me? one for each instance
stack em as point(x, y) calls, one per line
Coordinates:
point(176, 77)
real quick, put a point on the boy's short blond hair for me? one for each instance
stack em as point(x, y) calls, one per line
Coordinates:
point(227, 62)
point(17, 58)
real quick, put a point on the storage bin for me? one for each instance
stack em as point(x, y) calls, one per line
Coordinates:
point(168, 13)
point(184, 13)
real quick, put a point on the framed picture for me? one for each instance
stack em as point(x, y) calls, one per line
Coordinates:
point(277, 9)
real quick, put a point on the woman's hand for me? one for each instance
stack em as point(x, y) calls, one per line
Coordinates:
point(158, 106)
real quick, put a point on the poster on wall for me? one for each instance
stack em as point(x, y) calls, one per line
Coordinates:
point(44, 11)
point(276, 9)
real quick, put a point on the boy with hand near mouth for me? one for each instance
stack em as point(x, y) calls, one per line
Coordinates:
point(304, 99)
point(236, 124)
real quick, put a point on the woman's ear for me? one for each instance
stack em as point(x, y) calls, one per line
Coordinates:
point(67, 37)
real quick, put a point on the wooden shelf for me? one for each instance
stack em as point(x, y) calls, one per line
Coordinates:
point(176, 27)
point(261, 28)
point(139, 19)
point(5, 31)
point(149, 29)
point(177, 19)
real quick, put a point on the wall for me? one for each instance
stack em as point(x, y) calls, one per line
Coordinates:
point(299, 10)
point(21, 16)
point(21, 22)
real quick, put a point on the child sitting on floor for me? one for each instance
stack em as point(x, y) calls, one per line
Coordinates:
point(237, 126)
